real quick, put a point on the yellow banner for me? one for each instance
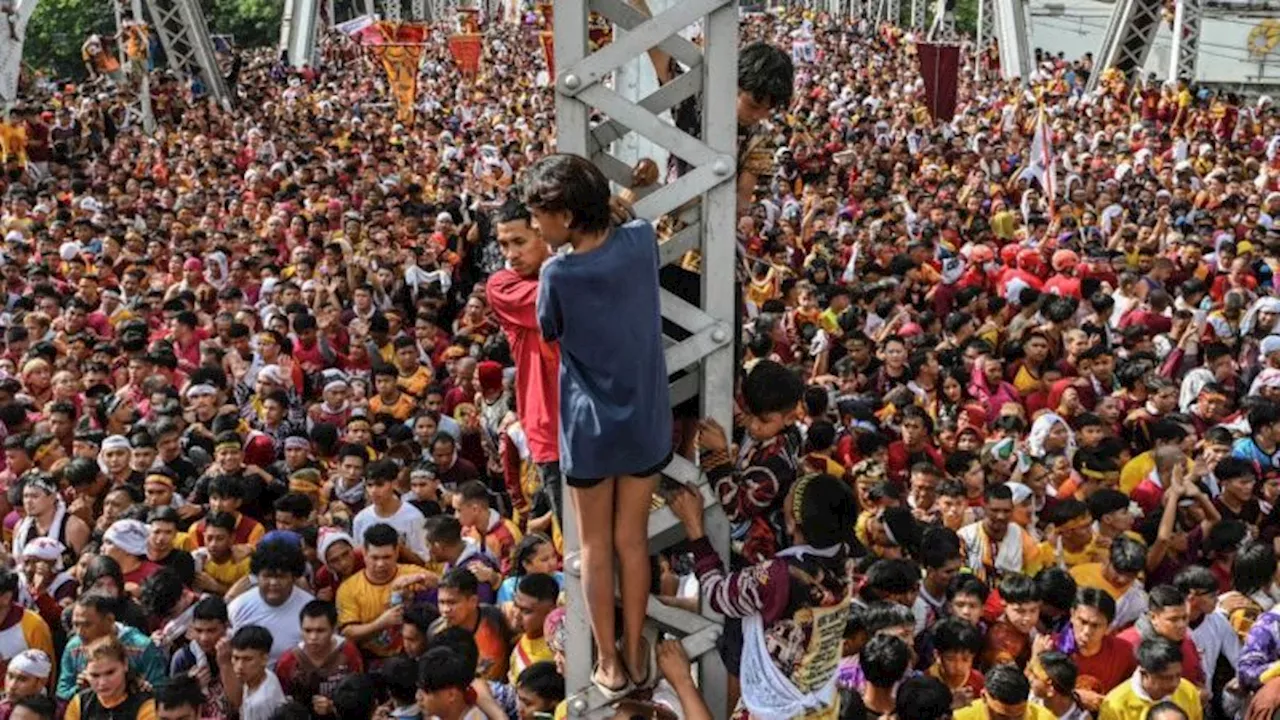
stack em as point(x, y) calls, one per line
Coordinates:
point(400, 62)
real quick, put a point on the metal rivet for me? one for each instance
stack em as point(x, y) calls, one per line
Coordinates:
point(571, 81)
point(720, 335)
point(575, 565)
point(721, 166)
point(579, 706)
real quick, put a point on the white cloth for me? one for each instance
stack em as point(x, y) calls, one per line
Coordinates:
point(1007, 557)
point(284, 621)
point(408, 522)
point(767, 693)
point(261, 702)
point(25, 525)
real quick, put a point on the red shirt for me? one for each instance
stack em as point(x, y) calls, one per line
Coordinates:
point(513, 300)
point(140, 574)
point(1191, 669)
point(1106, 669)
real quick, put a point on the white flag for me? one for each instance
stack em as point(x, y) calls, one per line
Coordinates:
point(1041, 166)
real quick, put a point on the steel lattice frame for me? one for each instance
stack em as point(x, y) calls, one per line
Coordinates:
point(185, 38)
point(1129, 38)
point(137, 111)
point(1186, 40)
point(11, 49)
point(1004, 21)
point(917, 14)
point(711, 186)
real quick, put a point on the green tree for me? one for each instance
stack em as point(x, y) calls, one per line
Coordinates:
point(253, 23)
point(967, 17)
point(57, 30)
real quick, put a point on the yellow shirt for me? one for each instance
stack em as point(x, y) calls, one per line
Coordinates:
point(977, 710)
point(527, 652)
point(360, 602)
point(1124, 702)
point(1137, 470)
point(1049, 555)
point(417, 383)
point(146, 711)
point(402, 409)
point(185, 541)
point(229, 572)
point(1090, 575)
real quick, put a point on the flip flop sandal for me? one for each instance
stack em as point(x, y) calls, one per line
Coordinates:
point(610, 694)
point(651, 659)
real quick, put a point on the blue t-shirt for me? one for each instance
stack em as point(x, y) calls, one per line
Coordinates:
point(604, 309)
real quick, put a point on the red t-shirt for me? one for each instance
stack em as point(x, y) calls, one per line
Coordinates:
point(1191, 669)
point(514, 301)
point(1106, 669)
point(140, 574)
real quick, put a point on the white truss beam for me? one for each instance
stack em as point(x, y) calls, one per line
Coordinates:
point(583, 84)
point(1005, 23)
point(299, 26)
point(13, 34)
point(185, 38)
point(1130, 35)
point(943, 26)
point(1186, 40)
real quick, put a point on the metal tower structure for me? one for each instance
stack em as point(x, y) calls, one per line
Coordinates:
point(1005, 22)
point(185, 37)
point(1186, 39)
point(1129, 37)
point(943, 25)
point(582, 85)
point(11, 48)
point(137, 111)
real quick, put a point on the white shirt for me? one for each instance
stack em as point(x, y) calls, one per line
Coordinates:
point(408, 521)
point(260, 702)
point(284, 622)
point(1215, 638)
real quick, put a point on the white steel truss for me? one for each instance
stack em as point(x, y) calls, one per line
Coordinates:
point(1186, 40)
point(298, 31)
point(13, 33)
point(582, 85)
point(917, 14)
point(943, 26)
point(1130, 35)
point(135, 81)
point(1005, 23)
point(185, 38)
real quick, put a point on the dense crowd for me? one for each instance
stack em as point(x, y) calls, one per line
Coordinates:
point(294, 398)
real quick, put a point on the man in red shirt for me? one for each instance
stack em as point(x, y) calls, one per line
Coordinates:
point(1168, 616)
point(513, 294)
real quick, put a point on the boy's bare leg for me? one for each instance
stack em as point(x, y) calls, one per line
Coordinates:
point(594, 508)
point(631, 539)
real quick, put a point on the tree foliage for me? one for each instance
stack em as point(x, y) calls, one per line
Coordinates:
point(59, 27)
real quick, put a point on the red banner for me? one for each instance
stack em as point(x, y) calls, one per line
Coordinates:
point(466, 49)
point(548, 39)
point(940, 70)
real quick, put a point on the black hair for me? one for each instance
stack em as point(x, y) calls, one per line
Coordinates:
point(542, 679)
point(180, 690)
point(1008, 684)
point(290, 710)
point(569, 183)
point(381, 471)
point(462, 580)
point(889, 576)
point(442, 669)
point(525, 550)
point(461, 643)
point(222, 520)
point(540, 587)
point(771, 387)
point(1155, 654)
point(767, 73)
point(1061, 670)
point(512, 211)
point(295, 503)
point(923, 698)
point(1253, 570)
point(938, 546)
point(226, 486)
point(968, 584)
point(252, 637)
point(444, 529)
point(998, 492)
point(400, 676)
point(98, 602)
point(1128, 556)
point(885, 659)
point(1097, 599)
point(356, 697)
point(278, 556)
point(161, 592)
point(1167, 707)
point(1018, 588)
point(1163, 597)
point(381, 535)
point(1230, 468)
point(881, 615)
point(320, 608)
point(956, 634)
point(420, 616)
point(211, 607)
point(1055, 587)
